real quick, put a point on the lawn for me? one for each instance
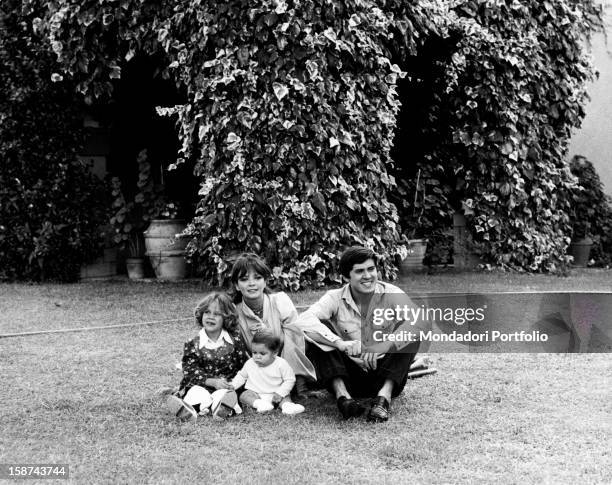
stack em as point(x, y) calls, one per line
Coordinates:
point(89, 399)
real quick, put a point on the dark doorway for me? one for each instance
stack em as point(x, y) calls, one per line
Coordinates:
point(134, 125)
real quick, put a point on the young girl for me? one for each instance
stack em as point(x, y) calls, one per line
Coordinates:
point(209, 359)
point(258, 310)
point(268, 379)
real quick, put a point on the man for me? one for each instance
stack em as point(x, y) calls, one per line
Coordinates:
point(351, 368)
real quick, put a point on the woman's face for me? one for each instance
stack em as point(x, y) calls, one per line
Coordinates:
point(251, 286)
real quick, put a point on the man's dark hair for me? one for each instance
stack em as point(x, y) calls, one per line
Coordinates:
point(271, 341)
point(355, 255)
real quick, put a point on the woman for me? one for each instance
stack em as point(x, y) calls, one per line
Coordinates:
point(258, 309)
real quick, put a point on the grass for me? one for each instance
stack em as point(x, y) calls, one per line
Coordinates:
point(89, 399)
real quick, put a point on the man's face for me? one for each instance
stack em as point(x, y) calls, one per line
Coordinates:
point(363, 277)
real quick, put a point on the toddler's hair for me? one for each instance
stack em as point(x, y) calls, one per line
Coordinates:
point(271, 341)
point(227, 308)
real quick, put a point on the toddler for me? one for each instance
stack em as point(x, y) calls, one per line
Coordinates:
point(267, 378)
point(209, 359)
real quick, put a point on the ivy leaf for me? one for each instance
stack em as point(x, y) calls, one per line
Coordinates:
point(507, 148)
point(351, 204)
point(270, 19)
point(319, 203)
point(115, 71)
point(280, 90)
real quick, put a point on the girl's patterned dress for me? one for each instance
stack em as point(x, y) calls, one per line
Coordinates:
point(201, 363)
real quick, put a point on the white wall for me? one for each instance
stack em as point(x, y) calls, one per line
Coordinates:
point(594, 139)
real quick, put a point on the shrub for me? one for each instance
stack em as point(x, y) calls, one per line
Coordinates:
point(510, 86)
point(290, 116)
point(50, 204)
point(292, 108)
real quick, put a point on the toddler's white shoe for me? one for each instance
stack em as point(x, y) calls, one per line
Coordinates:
point(262, 406)
point(292, 408)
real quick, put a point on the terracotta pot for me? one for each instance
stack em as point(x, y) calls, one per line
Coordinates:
point(135, 268)
point(166, 252)
point(169, 265)
point(160, 236)
point(580, 250)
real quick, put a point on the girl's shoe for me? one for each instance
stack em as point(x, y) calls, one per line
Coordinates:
point(225, 404)
point(292, 408)
point(179, 408)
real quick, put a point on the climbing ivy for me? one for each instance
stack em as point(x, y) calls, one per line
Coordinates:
point(292, 108)
point(511, 88)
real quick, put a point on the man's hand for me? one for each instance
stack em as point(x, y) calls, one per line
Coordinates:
point(383, 347)
point(349, 347)
point(370, 360)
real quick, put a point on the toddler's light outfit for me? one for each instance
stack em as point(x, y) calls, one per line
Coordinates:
point(261, 383)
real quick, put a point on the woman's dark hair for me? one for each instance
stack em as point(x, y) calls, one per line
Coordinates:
point(271, 341)
point(242, 266)
point(227, 308)
point(355, 255)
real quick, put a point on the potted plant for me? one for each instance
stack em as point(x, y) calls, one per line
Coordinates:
point(165, 244)
point(150, 210)
point(586, 198)
point(580, 249)
point(417, 246)
point(128, 223)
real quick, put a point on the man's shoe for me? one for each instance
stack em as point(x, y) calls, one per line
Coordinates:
point(349, 408)
point(380, 410)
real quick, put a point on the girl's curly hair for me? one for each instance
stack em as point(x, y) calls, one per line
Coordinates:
point(227, 308)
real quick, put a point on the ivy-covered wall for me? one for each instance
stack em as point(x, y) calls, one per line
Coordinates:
point(292, 110)
point(511, 90)
point(594, 139)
